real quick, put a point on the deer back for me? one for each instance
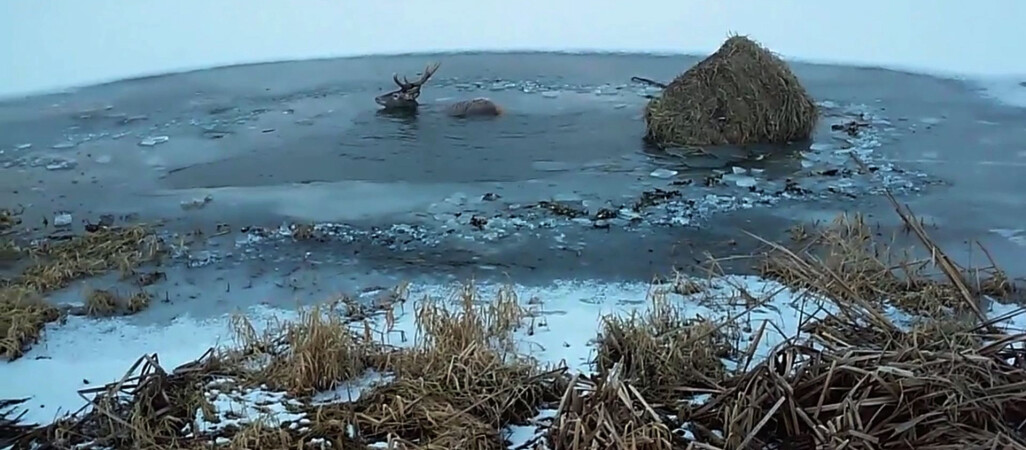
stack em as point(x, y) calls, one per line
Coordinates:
point(478, 107)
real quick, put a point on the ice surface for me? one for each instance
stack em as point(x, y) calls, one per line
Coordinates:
point(114, 39)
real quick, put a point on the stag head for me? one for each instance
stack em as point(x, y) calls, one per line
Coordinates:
point(405, 98)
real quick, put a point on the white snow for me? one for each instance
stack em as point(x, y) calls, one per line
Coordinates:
point(66, 43)
point(520, 435)
point(237, 407)
point(350, 391)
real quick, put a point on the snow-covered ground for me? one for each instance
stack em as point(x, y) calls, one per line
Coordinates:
point(63, 43)
point(569, 314)
point(85, 353)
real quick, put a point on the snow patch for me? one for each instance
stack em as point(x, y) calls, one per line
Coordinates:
point(237, 407)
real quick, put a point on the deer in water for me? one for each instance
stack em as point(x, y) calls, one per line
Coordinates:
point(404, 99)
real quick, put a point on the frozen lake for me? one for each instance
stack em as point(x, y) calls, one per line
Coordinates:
point(302, 142)
point(559, 195)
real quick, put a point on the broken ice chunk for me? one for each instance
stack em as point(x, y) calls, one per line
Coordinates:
point(196, 203)
point(663, 173)
point(154, 140)
point(62, 220)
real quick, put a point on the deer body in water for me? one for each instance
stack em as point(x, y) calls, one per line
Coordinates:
point(405, 98)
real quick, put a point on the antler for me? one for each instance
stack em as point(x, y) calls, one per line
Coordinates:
point(407, 85)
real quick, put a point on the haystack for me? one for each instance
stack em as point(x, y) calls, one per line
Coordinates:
point(742, 94)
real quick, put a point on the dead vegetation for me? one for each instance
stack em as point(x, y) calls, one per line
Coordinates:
point(607, 412)
point(742, 94)
point(663, 350)
point(56, 264)
point(859, 397)
point(849, 261)
point(23, 314)
point(10, 252)
point(315, 352)
point(106, 303)
point(260, 434)
point(457, 383)
point(10, 421)
point(8, 219)
point(148, 408)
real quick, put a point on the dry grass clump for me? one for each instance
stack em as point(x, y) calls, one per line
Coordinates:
point(456, 385)
point(955, 333)
point(313, 353)
point(58, 263)
point(847, 261)
point(422, 414)
point(652, 368)
point(8, 219)
point(105, 303)
point(742, 94)
point(148, 408)
point(662, 352)
point(10, 252)
point(608, 412)
point(23, 314)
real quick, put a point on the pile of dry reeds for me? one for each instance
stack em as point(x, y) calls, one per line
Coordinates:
point(609, 412)
point(148, 408)
point(862, 397)
point(742, 94)
point(11, 426)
